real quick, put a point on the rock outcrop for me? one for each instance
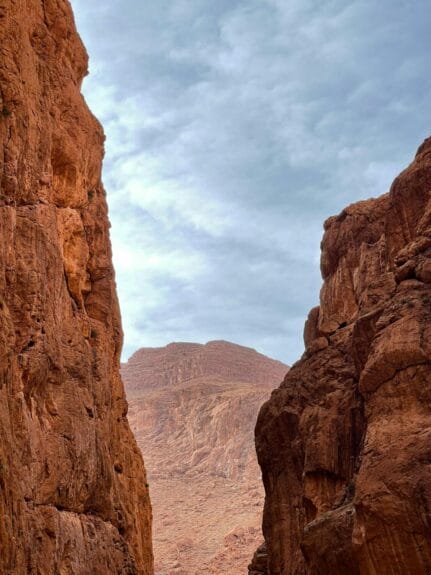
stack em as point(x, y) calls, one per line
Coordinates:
point(345, 443)
point(73, 496)
point(193, 409)
point(259, 563)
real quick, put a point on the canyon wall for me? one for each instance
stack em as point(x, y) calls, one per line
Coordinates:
point(193, 409)
point(345, 443)
point(73, 495)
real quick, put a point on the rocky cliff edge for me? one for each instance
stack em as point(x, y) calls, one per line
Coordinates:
point(73, 497)
point(345, 443)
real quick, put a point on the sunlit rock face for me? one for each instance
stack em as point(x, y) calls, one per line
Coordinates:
point(345, 443)
point(193, 409)
point(73, 496)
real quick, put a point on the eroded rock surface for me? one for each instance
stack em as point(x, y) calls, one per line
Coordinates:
point(345, 443)
point(73, 498)
point(193, 409)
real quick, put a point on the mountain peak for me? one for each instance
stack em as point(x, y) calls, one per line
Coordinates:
point(181, 362)
point(193, 408)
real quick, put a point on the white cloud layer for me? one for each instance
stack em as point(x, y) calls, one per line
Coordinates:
point(234, 128)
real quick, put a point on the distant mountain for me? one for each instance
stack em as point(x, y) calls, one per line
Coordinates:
point(177, 363)
point(193, 409)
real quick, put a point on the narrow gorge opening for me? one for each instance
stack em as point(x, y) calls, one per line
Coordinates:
point(233, 130)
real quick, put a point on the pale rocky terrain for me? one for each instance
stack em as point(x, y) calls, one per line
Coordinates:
point(73, 495)
point(193, 410)
point(345, 443)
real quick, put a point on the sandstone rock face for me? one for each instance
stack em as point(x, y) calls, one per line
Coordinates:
point(193, 409)
point(72, 483)
point(259, 563)
point(345, 443)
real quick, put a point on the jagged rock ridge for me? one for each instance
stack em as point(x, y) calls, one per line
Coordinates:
point(345, 443)
point(73, 498)
point(193, 409)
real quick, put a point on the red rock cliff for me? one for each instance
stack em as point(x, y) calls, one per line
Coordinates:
point(73, 498)
point(345, 443)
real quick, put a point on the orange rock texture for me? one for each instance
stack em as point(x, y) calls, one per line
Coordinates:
point(345, 443)
point(193, 409)
point(73, 498)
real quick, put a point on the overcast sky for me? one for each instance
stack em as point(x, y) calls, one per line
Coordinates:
point(234, 128)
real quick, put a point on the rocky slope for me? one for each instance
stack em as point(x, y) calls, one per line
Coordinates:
point(73, 498)
point(345, 443)
point(193, 409)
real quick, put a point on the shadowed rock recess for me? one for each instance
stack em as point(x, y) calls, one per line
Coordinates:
point(73, 496)
point(345, 443)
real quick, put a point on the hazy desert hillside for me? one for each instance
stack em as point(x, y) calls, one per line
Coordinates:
point(193, 409)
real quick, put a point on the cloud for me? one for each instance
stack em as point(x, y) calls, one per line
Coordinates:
point(234, 129)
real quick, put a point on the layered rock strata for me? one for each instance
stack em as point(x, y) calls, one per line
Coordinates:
point(193, 409)
point(73, 496)
point(345, 443)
